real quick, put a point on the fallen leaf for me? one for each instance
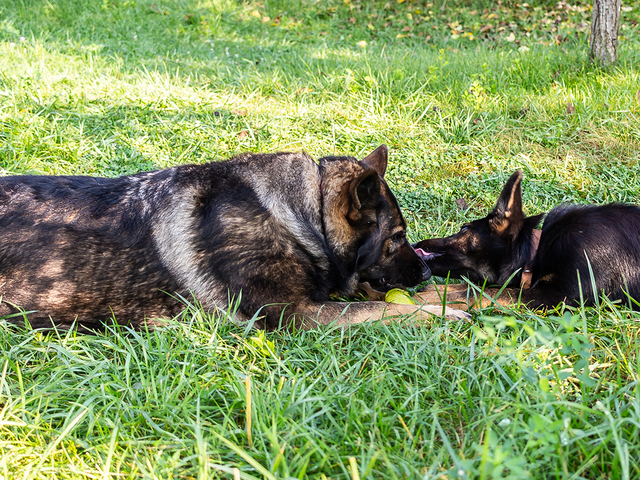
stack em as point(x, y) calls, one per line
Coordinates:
point(304, 90)
point(511, 37)
point(406, 29)
point(352, 20)
point(570, 108)
point(243, 134)
point(265, 19)
point(462, 204)
point(370, 26)
point(241, 112)
point(362, 44)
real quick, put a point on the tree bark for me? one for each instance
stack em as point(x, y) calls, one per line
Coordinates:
point(605, 24)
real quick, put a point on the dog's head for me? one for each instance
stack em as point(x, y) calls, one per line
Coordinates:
point(364, 225)
point(484, 249)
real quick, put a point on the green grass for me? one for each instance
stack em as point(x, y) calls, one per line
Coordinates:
point(463, 93)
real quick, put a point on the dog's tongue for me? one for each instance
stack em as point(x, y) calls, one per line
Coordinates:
point(426, 255)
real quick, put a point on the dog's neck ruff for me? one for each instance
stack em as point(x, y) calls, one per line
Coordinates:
point(525, 281)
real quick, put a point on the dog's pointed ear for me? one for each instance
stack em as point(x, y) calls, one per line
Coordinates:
point(364, 193)
point(508, 210)
point(378, 159)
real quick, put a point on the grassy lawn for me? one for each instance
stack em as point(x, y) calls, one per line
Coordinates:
point(463, 93)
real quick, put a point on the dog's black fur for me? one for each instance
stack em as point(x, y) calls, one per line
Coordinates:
point(575, 242)
point(280, 233)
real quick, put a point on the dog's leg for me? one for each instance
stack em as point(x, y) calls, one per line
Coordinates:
point(463, 297)
point(370, 293)
point(549, 295)
point(344, 313)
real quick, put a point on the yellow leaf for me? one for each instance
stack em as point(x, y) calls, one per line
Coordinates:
point(255, 13)
point(370, 26)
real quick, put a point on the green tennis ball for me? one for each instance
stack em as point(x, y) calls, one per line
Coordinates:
point(397, 295)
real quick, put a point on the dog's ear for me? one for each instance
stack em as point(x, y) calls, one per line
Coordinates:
point(508, 210)
point(364, 193)
point(378, 159)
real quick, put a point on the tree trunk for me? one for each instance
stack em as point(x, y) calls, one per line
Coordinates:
point(605, 23)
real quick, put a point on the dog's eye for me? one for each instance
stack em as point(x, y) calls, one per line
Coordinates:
point(464, 228)
point(398, 236)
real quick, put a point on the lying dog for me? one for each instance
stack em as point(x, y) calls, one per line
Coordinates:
point(542, 267)
point(279, 233)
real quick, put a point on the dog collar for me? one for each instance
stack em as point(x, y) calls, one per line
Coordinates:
point(525, 280)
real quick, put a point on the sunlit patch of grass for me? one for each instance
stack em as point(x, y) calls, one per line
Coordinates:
point(108, 88)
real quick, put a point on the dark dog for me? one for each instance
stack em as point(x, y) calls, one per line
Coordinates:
point(278, 232)
point(577, 247)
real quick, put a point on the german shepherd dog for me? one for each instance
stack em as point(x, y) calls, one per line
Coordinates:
point(277, 233)
point(578, 247)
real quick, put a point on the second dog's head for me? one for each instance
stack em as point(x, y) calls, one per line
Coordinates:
point(486, 249)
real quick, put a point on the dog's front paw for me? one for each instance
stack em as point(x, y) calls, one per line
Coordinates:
point(448, 313)
point(455, 314)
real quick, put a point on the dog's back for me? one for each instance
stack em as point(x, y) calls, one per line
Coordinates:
point(583, 244)
point(65, 240)
point(72, 246)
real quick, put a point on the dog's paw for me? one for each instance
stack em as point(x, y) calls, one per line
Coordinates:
point(449, 313)
point(369, 292)
point(455, 314)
